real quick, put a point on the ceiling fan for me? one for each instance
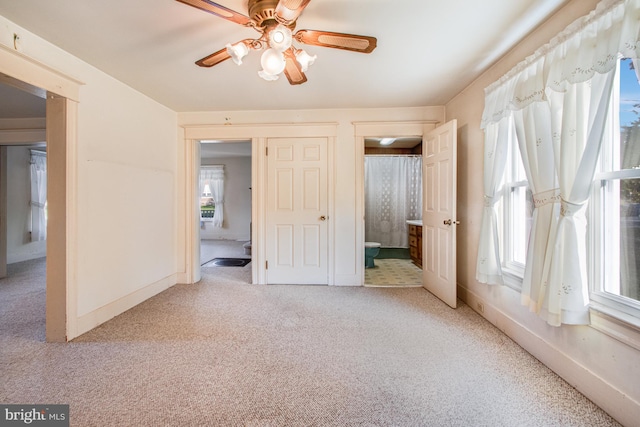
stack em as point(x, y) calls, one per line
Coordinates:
point(276, 20)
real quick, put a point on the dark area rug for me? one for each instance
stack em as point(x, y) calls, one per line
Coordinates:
point(228, 262)
point(397, 253)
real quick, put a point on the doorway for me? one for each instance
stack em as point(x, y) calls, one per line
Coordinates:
point(392, 199)
point(225, 207)
point(60, 116)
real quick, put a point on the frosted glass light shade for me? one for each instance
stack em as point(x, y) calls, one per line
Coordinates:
point(305, 60)
point(268, 77)
point(273, 63)
point(237, 51)
point(280, 38)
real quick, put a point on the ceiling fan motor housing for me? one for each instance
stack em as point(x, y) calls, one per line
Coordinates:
point(262, 12)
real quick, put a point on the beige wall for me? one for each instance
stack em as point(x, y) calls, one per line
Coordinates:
point(603, 368)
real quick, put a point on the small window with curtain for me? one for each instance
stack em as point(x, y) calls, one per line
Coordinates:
point(212, 194)
point(38, 173)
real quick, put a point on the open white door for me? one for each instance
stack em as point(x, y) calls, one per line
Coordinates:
point(297, 232)
point(439, 212)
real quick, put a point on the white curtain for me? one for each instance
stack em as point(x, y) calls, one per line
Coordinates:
point(393, 194)
point(488, 267)
point(534, 136)
point(559, 100)
point(213, 177)
point(38, 167)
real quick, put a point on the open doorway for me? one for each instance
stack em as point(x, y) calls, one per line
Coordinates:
point(23, 185)
point(225, 207)
point(393, 211)
point(23, 182)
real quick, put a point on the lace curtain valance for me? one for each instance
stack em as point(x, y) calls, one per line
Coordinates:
point(591, 44)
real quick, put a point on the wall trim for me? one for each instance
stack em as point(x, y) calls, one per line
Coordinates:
point(88, 321)
point(401, 128)
point(616, 403)
point(260, 130)
point(22, 136)
point(38, 76)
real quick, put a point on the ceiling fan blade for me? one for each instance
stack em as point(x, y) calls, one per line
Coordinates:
point(352, 42)
point(218, 10)
point(289, 10)
point(214, 59)
point(293, 69)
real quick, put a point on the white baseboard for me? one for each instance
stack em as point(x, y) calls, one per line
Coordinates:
point(617, 404)
point(107, 312)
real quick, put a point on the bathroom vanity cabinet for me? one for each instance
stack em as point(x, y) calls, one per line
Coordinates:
point(415, 242)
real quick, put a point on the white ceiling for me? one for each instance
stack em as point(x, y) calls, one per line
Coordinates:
point(428, 50)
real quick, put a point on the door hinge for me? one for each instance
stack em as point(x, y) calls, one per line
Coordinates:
point(266, 265)
point(266, 151)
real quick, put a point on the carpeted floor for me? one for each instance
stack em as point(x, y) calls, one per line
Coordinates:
point(227, 353)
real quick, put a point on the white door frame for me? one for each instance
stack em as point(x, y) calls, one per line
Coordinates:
point(377, 130)
point(189, 218)
point(62, 94)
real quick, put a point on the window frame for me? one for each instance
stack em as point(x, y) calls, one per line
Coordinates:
point(614, 314)
point(513, 271)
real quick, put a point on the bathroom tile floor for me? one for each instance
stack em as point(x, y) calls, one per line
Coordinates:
point(393, 272)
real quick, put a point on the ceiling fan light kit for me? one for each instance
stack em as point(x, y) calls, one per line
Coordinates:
point(273, 63)
point(276, 20)
point(237, 51)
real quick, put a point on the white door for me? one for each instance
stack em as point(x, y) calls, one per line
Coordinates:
point(297, 218)
point(439, 212)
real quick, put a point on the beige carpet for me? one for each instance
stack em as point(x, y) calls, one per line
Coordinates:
point(227, 353)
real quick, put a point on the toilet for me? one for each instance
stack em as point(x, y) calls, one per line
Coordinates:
point(371, 250)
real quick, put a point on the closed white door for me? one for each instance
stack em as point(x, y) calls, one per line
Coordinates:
point(297, 211)
point(439, 212)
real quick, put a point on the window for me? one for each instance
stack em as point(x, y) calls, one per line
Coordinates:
point(517, 211)
point(38, 171)
point(615, 209)
point(207, 206)
point(212, 194)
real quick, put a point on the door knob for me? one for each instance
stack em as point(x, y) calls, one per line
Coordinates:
point(323, 218)
point(449, 222)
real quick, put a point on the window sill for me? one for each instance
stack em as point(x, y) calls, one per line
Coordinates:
point(512, 279)
point(610, 321)
point(618, 325)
